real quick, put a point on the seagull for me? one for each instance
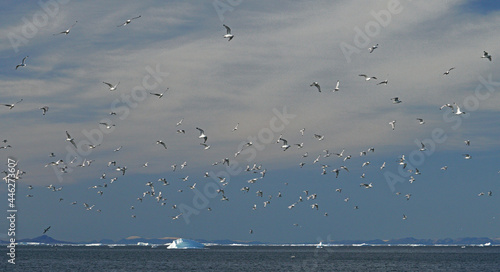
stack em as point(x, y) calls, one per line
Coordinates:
point(23, 63)
point(88, 207)
point(458, 112)
point(420, 121)
point(302, 131)
point(179, 123)
point(44, 109)
point(444, 167)
point(383, 166)
point(367, 186)
point(202, 135)
point(486, 55)
point(122, 169)
point(111, 86)
point(396, 100)
point(108, 126)
point(316, 84)
point(236, 127)
point(383, 82)
point(228, 35)
point(160, 95)
point(404, 217)
point(467, 156)
point(69, 139)
point(45, 230)
point(319, 137)
point(118, 149)
point(446, 105)
point(129, 21)
point(160, 142)
point(423, 147)
point(467, 142)
point(367, 77)
point(373, 48)
point(448, 71)
point(337, 86)
point(205, 146)
point(393, 124)
point(11, 106)
point(66, 32)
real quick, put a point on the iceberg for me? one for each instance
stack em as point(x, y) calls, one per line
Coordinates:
point(184, 244)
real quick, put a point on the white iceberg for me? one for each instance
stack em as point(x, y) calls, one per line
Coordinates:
point(184, 244)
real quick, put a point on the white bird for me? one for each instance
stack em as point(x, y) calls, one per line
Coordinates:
point(70, 139)
point(446, 105)
point(404, 217)
point(23, 63)
point(11, 106)
point(205, 146)
point(108, 126)
point(365, 164)
point(179, 123)
point(367, 77)
point(319, 137)
point(285, 145)
point(448, 71)
point(420, 121)
point(117, 149)
point(228, 35)
point(129, 21)
point(316, 84)
point(395, 100)
point(66, 32)
point(44, 109)
point(236, 127)
point(393, 124)
point(367, 186)
point(412, 179)
point(160, 142)
point(444, 167)
point(486, 55)
point(467, 156)
point(202, 135)
point(423, 146)
point(467, 142)
point(111, 86)
point(383, 166)
point(302, 131)
point(373, 48)
point(337, 86)
point(122, 169)
point(458, 112)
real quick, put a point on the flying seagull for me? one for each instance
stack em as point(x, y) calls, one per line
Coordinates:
point(393, 124)
point(129, 21)
point(66, 32)
point(228, 35)
point(486, 55)
point(420, 121)
point(111, 86)
point(160, 95)
point(448, 71)
point(395, 100)
point(316, 84)
point(202, 135)
point(45, 230)
point(10, 106)
point(160, 142)
point(367, 77)
point(44, 109)
point(70, 139)
point(373, 48)
point(383, 82)
point(337, 86)
point(23, 63)
point(458, 112)
point(285, 145)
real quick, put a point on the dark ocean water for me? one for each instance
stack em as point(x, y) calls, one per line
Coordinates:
point(254, 258)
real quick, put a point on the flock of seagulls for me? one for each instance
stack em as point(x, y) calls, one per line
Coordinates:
point(257, 171)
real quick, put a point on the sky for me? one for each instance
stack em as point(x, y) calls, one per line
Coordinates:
point(260, 83)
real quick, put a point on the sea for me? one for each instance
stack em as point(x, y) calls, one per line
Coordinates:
point(254, 258)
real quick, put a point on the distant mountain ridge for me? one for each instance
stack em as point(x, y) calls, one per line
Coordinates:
point(134, 240)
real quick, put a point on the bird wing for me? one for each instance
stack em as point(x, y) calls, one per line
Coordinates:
point(228, 30)
point(109, 84)
point(201, 130)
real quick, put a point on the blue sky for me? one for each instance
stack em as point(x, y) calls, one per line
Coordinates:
point(259, 80)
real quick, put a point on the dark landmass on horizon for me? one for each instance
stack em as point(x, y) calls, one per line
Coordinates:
point(134, 240)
